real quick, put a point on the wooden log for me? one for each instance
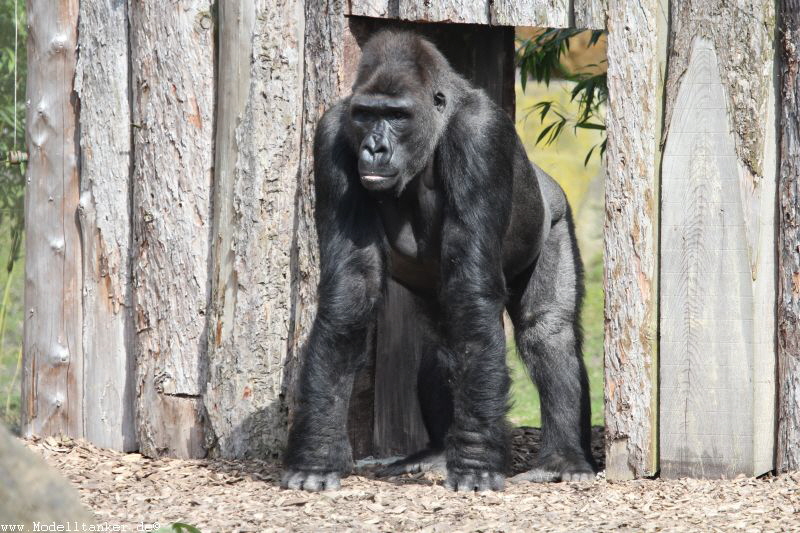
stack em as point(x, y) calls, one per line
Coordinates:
point(102, 84)
point(541, 13)
point(788, 308)
point(373, 8)
point(636, 52)
point(52, 383)
point(260, 91)
point(718, 270)
point(589, 14)
point(172, 58)
point(462, 11)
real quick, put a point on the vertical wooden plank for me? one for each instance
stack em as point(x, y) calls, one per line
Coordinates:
point(259, 94)
point(172, 55)
point(461, 11)
point(52, 383)
point(103, 84)
point(788, 319)
point(542, 13)
point(636, 52)
point(589, 14)
point(706, 295)
point(718, 301)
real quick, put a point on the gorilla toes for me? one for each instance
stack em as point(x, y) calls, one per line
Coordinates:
point(478, 480)
point(557, 467)
point(310, 481)
point(422, 461)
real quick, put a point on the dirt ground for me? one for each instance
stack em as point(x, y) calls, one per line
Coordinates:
point(230, 496)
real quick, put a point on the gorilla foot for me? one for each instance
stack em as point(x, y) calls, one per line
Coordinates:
point(310, 481)
point(557, 467)
point(426, 460)
point(476, 480)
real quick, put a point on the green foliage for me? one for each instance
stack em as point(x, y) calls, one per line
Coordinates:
point(525, 408)
point(13, 69)
point(539, 58)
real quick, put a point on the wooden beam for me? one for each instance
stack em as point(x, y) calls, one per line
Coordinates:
point(541, 13)
point(589, 14)
point(52, 383)
point(172, 57)
point(788, 452)
point(102, 83)
point(636, 58)
point(718, 252)
point(260, 97)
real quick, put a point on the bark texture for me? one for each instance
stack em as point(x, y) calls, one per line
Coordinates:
point(636, 51)
point(589, 14)
point(103, 85)
point(542, 13)
point(788, 452)
point(52, 383)
point(259, 145)
point(172, 51)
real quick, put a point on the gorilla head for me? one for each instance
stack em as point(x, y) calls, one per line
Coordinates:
point(398, 109)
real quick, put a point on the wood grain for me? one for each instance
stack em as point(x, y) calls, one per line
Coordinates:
point(788, 305)
point(636, 61)
point(590, 14)
point(172, 57)
point(717, 367)
point(52, 375)
point(102, 82)
point(260, 95)
point(541, 13)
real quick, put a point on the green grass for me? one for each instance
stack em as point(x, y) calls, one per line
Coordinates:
point(525, 398)
point(564, 160)
point(11, 314)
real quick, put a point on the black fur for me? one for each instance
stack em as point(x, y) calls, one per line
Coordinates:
point(421, 177)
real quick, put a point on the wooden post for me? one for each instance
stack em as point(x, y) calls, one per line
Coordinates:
point(52, 383)
point(260, 96)
point(103, 85)
point(172, 57)
point(717, 266)
point(636, 52)
point(788, 453)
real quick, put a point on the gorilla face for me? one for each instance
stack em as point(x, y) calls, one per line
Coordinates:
point(395, 123)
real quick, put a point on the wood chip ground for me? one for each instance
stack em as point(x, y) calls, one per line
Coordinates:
point(230, 496)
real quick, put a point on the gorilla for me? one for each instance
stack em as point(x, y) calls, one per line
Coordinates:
point(421, 177)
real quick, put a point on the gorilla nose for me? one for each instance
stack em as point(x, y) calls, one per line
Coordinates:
point(375, 150)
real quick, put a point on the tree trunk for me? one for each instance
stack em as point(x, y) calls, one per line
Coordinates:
point(256, 218)
point(52, 384)
point(172, 50)
point(637, 40)
point(788, 453)
point(103, 85)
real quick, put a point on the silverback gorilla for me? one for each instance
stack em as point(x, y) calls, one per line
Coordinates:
point(421, 177)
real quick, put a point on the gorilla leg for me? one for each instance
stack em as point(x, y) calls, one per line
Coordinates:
point(545, 311)
point(319, 452)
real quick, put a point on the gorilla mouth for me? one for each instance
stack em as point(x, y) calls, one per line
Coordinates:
point(377, 181)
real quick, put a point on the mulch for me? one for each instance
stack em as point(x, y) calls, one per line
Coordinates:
point(229, 496)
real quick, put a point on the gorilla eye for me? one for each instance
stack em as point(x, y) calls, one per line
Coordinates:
point(439, 101)
point(398, 115)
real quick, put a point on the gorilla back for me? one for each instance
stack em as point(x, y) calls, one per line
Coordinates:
point(420, 176)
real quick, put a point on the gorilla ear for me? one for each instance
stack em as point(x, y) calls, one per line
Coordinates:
point(439, 101)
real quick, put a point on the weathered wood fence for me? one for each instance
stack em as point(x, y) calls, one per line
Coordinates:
point(171, 254)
